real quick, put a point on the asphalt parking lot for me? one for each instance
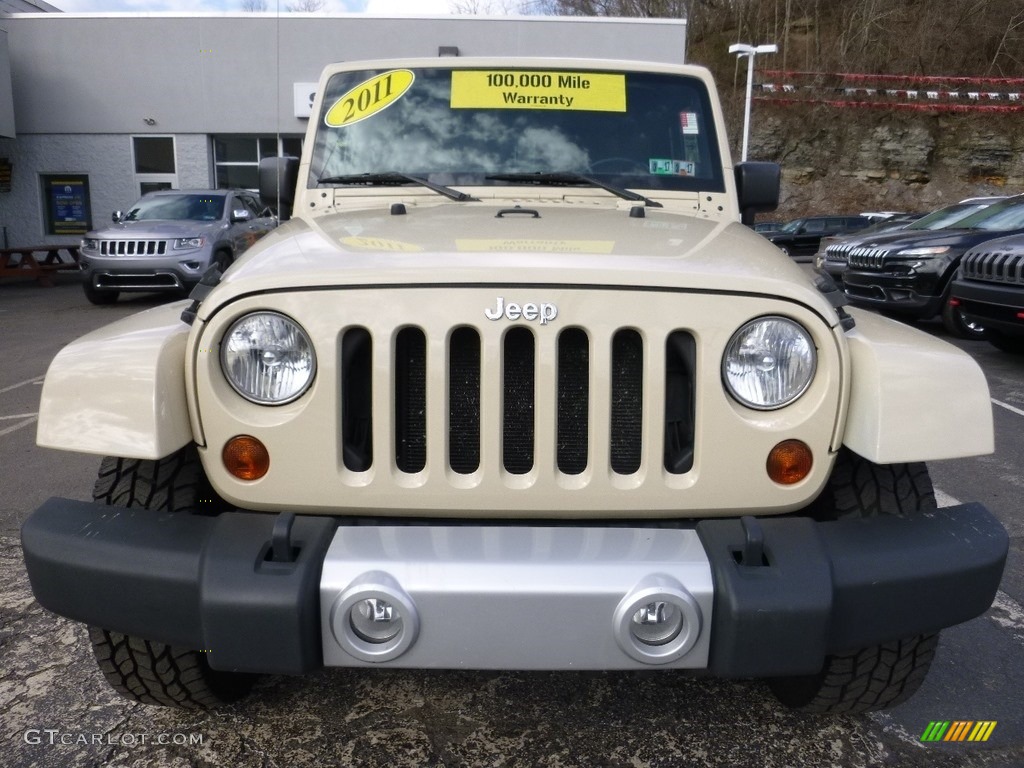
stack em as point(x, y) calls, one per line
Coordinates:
point(58, 711)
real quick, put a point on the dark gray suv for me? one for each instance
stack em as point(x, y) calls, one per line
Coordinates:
point(801, 238)
point(168, 239)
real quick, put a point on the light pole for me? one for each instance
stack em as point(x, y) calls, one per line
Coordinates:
point(742, 49)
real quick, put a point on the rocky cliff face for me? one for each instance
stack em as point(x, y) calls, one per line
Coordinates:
point(847, 160)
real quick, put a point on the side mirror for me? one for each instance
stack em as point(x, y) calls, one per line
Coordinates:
point(116, 216)
point(278, 177)
point(757, 187)
point(240, 215)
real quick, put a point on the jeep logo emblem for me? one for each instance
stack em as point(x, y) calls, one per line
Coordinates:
point(530, 312)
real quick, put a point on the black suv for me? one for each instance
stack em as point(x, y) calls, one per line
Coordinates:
point(800, 238)
point(834, 251)
point(911, 273)
point(989, 290)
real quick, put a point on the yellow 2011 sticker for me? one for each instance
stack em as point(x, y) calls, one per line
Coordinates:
point(369, 97)
point(533, 89)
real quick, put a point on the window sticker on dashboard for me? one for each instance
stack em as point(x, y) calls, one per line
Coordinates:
point(662, 167)
point(369, 97)
point(533, 89)
point(688, 122)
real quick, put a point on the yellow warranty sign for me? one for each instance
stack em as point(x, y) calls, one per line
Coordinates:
point(533, 89)
point(369, 97)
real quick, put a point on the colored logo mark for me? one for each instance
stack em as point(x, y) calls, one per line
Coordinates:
point(958, 730)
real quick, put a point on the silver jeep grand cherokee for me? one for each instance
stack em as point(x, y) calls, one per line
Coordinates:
point(168, 239)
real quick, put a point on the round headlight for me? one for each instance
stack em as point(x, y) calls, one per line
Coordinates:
point(769, 363)
point(267, 358)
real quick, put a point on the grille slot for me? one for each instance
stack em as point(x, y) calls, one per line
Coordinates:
point(410, 400)
point(573, 401)
point(464, 401)
point(680, 373)
point(627, 402)
point(518, 401)
point(357, 399)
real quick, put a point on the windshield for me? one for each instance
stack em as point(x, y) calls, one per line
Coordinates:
point(646, 130)
point(1008, 214)
point(949, 216)
point(791, 226)
point(177, 208)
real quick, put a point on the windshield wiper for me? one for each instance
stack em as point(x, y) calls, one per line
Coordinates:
point(570, 178)
point(393, 177)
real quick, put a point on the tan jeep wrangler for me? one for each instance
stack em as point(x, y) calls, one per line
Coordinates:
point(515, 388)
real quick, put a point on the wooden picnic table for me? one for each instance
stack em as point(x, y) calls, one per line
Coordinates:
point(38, 261)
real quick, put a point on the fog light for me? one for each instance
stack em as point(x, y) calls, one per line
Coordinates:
point(246, 458)
point(659, 621)
point(789, 462)
point(374, 619)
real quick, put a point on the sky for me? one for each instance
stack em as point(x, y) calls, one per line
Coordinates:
point(371, 7)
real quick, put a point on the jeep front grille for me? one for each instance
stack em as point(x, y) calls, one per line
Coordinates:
point(867, 258)
point(994, 266)
point(132, 247)
point(520, 381)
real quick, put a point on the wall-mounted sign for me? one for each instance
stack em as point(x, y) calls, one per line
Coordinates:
point(66, 198)
point(303, 93)
point(5, 174)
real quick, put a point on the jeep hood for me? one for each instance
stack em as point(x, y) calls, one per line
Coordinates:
point(157, 228)
point(583, 244)
point(939, 237)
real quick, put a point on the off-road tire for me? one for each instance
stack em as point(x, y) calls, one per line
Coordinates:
point(175, 483)
point(154, 673)
point(861, 681)
point(860, 488)
point(140, 669)
point(884, 675)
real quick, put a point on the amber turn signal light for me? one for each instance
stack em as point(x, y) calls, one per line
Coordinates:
point(789, 462)
point(246, 458)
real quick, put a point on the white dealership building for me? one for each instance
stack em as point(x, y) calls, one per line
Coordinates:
point(96, 109)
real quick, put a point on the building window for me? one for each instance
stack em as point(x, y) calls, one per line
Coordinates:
point(154, 162)
point(237, 158)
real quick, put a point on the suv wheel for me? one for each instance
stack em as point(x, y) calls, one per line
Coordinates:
point(140, 669)
point(872, 678)
point(883, 675)
point(956, 324)
point(154, 673)
point(1011, 344)
point(99, 296)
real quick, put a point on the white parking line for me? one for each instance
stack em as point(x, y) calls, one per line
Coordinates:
point(36, 380)
point(18, 426)
point(1008, 407)
point(17, 416)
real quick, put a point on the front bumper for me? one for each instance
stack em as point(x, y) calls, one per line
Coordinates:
point(916, 295)
point(996, 306)
point(145, 273)
point(759, 597)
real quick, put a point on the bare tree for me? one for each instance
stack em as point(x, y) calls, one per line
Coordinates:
point(305, 6)
point(484, 7)
point(254, 6)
